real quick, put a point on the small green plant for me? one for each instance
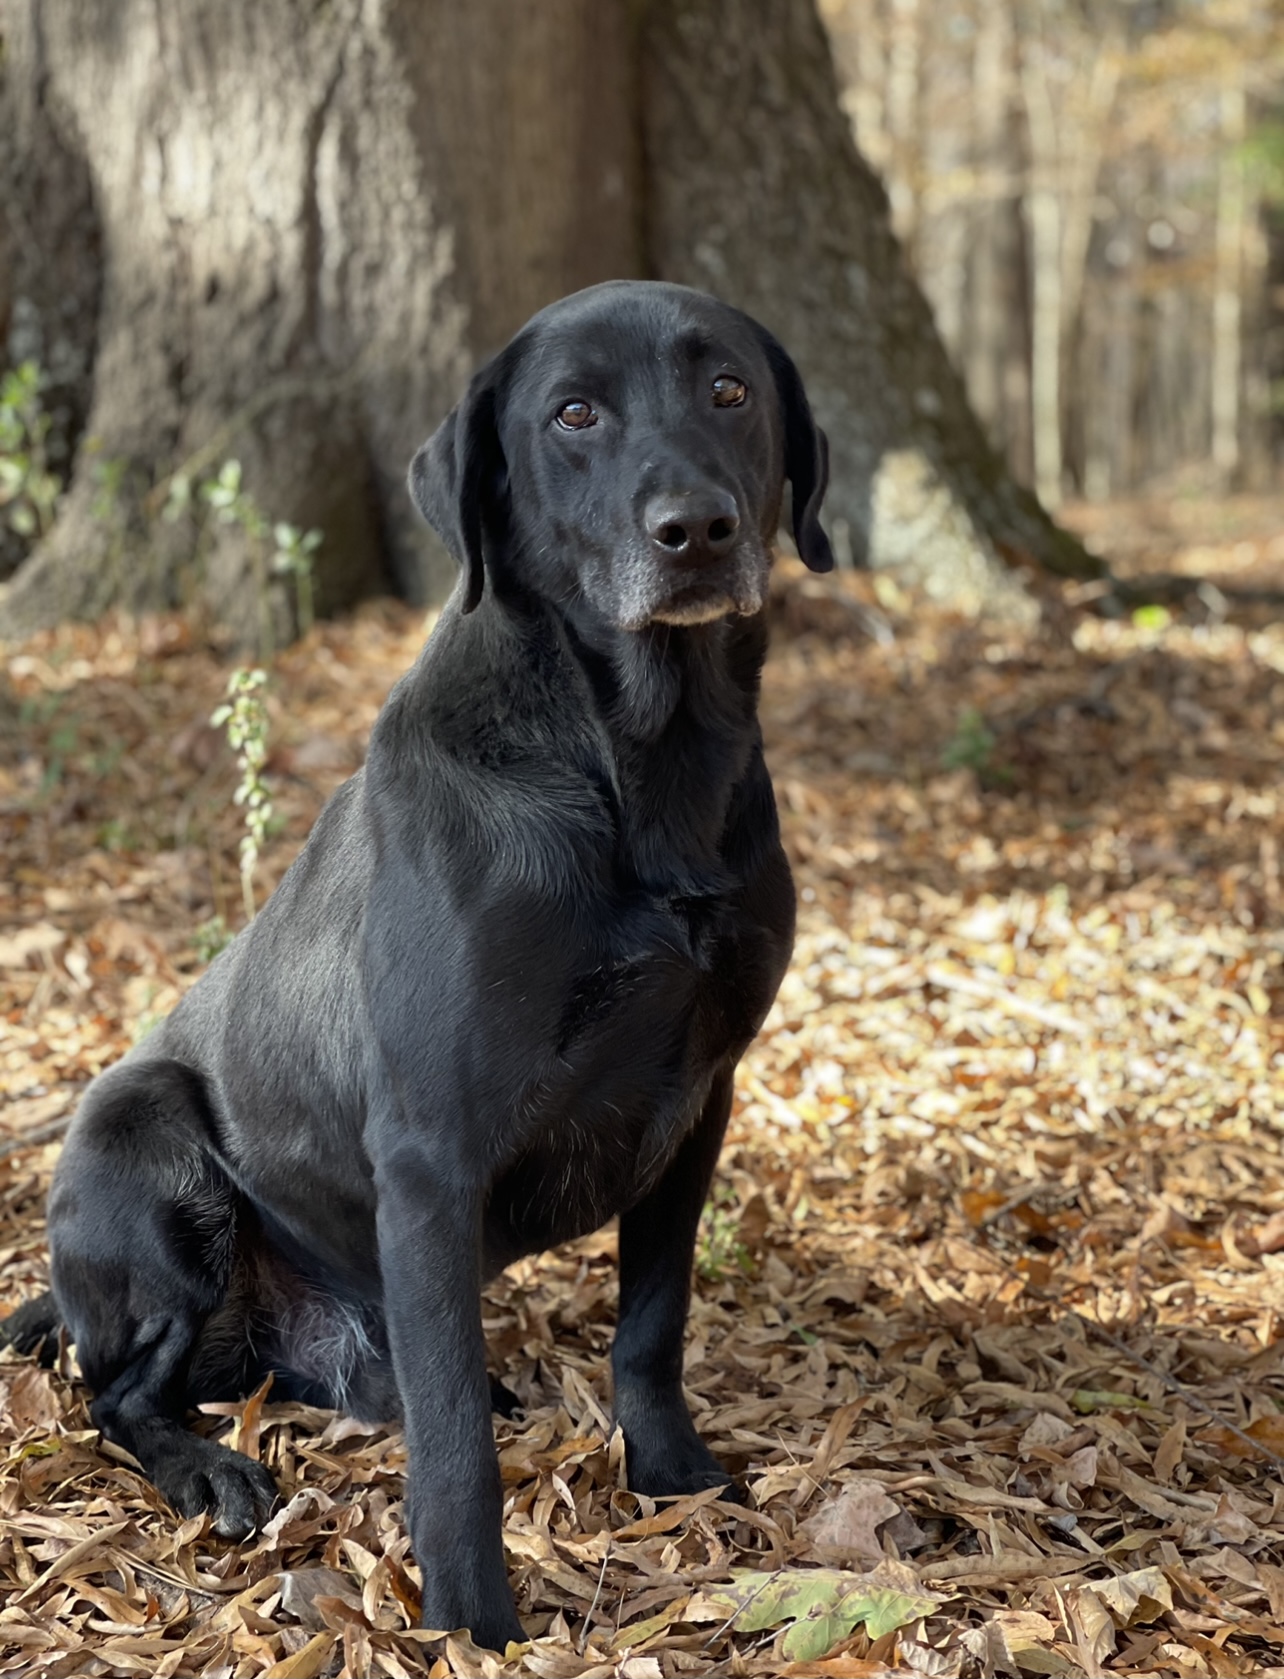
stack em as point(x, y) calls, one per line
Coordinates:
point(178, 498)
point(148, 1020)
point(63, 738)
point(281, 549)
point(109, 482)
point(28, 489)
point(1154, 618)
point(972, 747)
point(822, 1607)
point(230, 503)
point(246, 719)
point(117, 835)
point(719, 1250)
point(292, 557)
point(211, 937)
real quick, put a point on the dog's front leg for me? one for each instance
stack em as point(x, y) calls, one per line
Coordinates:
point(664, 1454)
point(429, 1254)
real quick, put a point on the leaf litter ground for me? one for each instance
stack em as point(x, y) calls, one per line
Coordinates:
point(988, 1313)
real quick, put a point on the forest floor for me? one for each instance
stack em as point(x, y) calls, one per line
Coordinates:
point(989, 1313)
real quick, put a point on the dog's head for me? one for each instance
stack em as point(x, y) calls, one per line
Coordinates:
point(627, 453)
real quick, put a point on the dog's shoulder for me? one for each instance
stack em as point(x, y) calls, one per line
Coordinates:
point(485, 748)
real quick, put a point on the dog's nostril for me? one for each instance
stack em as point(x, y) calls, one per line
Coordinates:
point(693, 526)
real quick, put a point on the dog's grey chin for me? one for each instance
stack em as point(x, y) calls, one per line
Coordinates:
point(685, 603)
point(689, 612)
point(708, 609)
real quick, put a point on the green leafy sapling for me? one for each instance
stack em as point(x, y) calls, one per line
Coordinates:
point(720, 1252)
point(246, 718)
point(231, 504)
point(281, 548)
point(28, 489)
point(211, 937)
point(972, 744)
point(293, 558)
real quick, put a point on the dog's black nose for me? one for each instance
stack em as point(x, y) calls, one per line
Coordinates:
point(693, 525)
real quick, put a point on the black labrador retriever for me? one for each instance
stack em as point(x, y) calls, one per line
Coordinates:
point(500, 995)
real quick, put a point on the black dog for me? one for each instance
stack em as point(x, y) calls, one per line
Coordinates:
point(500, 995)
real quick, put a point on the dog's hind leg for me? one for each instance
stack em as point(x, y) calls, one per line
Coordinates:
point(142, 1233)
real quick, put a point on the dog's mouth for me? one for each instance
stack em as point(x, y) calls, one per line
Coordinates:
point(695, 606)
point(707, 600)
point(688, 596)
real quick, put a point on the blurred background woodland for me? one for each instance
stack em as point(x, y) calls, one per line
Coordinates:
point(1092, 195)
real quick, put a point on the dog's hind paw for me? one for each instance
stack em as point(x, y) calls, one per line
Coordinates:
point(199, 1476)
point(33, 1328)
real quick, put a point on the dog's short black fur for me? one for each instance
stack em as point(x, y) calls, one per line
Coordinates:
point(500, 995)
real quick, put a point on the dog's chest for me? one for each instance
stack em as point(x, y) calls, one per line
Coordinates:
point(644, 1028)
point(661, 947)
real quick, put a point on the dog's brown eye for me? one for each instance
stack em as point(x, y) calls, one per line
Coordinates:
point(574, 416)
point(729, 392)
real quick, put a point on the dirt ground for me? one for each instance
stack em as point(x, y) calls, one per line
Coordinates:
point(988, 1312)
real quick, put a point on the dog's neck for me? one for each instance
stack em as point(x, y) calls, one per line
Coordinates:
point(676, 709)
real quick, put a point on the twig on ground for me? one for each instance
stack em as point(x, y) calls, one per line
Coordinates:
point(1009, 1001)
point(1091, 1327)
point(1170, 1382)
point(592, 1609)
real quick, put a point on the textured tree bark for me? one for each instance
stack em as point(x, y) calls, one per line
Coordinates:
point(50, 263)
point(987, 255)
point(756, 192)
point(313, 219)
point(200, 179)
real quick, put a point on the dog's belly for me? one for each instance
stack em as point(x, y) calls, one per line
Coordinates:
point(594, 1160)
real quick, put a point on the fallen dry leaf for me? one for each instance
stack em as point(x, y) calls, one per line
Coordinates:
point(1142, 1595)
point(844, 1528)
point(31, 1398)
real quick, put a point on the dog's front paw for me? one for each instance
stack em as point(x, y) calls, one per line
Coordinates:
point(665, 1469)
point(199, 1477)
point(494, 1626)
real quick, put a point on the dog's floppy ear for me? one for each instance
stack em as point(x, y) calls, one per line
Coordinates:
point(457, 481)
point(806, 458)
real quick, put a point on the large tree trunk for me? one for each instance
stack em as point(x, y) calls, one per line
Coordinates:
point(313, 219)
